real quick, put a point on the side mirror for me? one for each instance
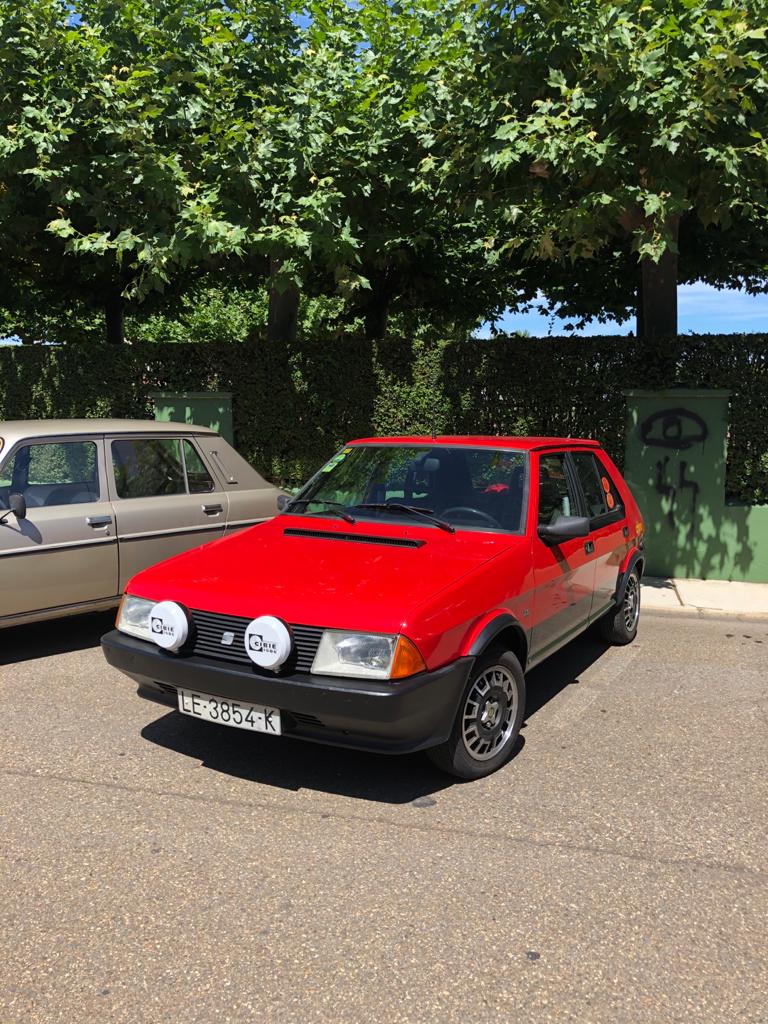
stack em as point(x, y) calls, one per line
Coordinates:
point(17, 506)
point(283, 501)
point(17, 503)
point(564, 528)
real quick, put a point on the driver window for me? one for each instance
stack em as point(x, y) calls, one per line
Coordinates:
point(555, 497)
point(52, 473)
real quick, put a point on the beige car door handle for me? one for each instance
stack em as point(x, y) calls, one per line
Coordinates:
point(213, 510)
point(96, 522)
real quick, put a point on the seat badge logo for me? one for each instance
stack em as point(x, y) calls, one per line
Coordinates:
point(227, 639)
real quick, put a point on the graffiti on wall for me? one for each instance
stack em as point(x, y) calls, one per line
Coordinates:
point(673, 428)
point(677, 429)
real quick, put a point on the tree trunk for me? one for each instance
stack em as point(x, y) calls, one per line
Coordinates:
point(376, 317)
point(113, 316)
point(283, 319)
point(657, 309)
point(639, 310)
point(374, 304)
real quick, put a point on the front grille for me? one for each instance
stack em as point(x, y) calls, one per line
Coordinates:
point(210, 627)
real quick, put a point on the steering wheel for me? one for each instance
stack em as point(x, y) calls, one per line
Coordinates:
point(456, 509)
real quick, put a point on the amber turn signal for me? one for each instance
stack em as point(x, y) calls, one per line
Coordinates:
point(407, 660)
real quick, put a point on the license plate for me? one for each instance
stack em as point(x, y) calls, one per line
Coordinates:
point(238, 713)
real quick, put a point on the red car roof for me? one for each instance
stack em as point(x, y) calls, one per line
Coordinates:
point(484, 441)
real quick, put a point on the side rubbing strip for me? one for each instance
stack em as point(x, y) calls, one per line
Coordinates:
point(49, 549)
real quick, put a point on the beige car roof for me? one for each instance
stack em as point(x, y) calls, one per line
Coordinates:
point(15, 430)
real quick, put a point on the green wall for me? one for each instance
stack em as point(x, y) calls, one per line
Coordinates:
point(675, 463)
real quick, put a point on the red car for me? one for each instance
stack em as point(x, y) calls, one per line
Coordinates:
point(398, 600)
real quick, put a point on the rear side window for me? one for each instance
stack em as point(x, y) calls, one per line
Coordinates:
point(589, 477)
point(148, 467)
point(555, 495)
point(198, 477)
point(52, 473)
point(153, 467)
point(600, 492)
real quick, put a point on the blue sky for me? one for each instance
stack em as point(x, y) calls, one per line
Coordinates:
point(702, 309)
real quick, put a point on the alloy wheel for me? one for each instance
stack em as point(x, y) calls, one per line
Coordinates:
point(490, 712)
point(631, 605)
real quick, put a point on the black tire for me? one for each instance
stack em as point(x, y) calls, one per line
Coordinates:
point(496, 692)
point(619, 626)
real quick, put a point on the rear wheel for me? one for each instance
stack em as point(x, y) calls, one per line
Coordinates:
point(488, 720)
point(619, 626)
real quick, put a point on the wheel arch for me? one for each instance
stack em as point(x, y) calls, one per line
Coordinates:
point(636, 561)
point(502, 628)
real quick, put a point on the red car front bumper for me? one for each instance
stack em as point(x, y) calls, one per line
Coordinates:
point(377, 715)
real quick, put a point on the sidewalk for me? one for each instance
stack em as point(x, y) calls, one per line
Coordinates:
point(722, 597)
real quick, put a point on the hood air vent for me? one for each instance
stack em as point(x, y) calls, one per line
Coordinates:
point(355, 538)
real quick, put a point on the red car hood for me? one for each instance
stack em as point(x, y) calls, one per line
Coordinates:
point(324, 580)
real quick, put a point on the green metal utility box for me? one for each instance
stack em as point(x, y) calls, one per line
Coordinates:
point(205, 408)
point(676, 448)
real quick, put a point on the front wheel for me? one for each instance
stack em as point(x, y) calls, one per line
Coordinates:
point(619, 626)
point(488, 720)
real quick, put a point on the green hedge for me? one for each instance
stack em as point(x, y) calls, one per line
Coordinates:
point(294, 406)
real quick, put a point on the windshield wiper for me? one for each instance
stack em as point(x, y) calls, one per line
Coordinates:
point(425, 513)
point(336, 507)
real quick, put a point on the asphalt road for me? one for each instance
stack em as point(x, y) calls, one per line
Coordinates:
point(154, 868)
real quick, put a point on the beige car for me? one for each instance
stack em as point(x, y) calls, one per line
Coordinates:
point(85, 504)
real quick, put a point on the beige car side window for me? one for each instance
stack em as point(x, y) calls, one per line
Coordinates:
point(198, 478)
point(52, 473)
point(148, 467)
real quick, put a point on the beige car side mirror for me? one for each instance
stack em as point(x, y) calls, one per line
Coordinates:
point(17, 505)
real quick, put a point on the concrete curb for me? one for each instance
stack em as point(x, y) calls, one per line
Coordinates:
point(705, 598)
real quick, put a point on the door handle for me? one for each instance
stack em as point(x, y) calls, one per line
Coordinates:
point(625, 531)
point(212, 510)
point(96, 522)
point(589, 547)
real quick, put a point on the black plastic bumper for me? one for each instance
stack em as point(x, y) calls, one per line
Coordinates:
point(390, 717)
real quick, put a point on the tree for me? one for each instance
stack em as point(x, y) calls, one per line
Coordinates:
point(111, 118)
point(349, 212)
point(628, 134)
point(418, 249)
point(163, 141)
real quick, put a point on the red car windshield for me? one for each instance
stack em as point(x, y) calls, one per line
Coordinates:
point(468, 488)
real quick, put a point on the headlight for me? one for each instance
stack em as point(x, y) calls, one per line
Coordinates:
point(366, 656)
point(164, 623)
point(133, 616)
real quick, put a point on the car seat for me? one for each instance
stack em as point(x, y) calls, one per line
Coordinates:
point(64, 496)
point(550, 501)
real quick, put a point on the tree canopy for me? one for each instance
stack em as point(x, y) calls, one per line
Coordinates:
point(621, 134)
point(444, 157)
